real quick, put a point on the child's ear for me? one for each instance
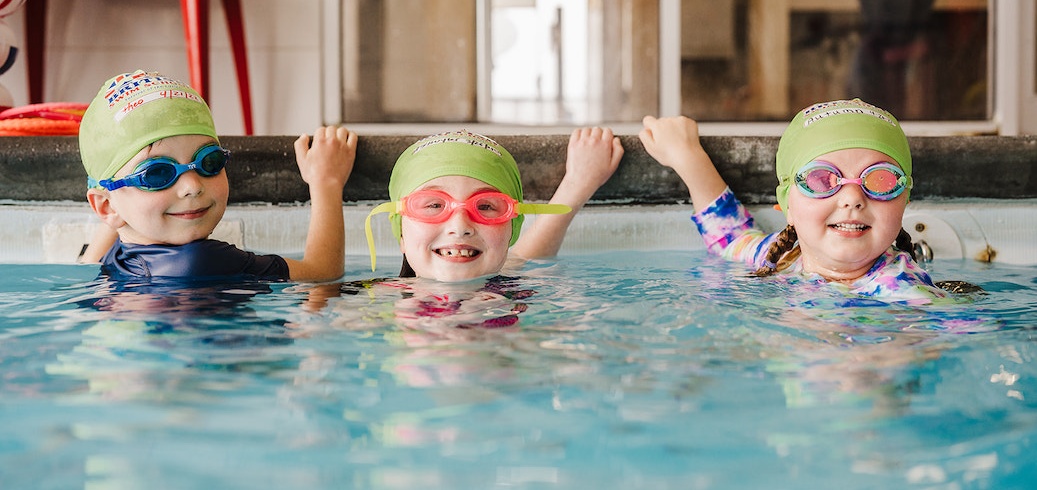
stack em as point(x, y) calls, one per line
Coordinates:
point(102, 205)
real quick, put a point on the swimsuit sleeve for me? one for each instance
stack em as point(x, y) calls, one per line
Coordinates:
point(728, 230)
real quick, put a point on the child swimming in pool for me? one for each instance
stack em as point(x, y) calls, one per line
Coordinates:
point(456, 203)
point(156, 177)
point(456, 210)
point(844, 178)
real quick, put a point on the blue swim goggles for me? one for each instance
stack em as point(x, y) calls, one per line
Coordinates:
point(157, 173)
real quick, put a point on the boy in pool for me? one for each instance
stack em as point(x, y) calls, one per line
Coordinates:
point(156, 177)
point(438, 177)
point(844, 177)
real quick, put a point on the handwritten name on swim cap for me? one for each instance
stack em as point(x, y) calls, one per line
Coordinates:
point(836, 108)
point(461, 136)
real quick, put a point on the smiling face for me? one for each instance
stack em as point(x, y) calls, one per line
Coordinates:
point(458, 249)
point(188, 210)
point(842, 235)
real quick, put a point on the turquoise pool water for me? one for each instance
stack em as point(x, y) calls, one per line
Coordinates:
point(612, 370)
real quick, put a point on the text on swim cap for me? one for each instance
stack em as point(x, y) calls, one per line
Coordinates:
point(847, 110)
point(459, 137)
point(125, 86)
point(153, 96)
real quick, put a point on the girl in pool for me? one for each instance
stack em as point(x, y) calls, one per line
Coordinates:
point(456, 203)
point(456, 210)
point(844, 178)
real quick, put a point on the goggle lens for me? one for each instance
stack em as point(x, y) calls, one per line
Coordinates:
point(155, 174)
point(819, 181)
point(433, 206)
point(882, 181)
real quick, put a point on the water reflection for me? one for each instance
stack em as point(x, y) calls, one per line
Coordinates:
point(147, 340)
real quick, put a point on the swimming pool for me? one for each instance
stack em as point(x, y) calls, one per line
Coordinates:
point(599, 370)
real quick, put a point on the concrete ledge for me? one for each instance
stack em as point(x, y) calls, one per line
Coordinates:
point(263, 168)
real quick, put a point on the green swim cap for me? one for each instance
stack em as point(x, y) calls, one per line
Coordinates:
point(837, 125)
point(132, 111)
point(455, 153)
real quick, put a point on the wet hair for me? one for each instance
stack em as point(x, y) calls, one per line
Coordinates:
point(784, 250)
point(406, 270)
point(903, 242)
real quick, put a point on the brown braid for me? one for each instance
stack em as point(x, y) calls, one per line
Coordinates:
point(905, 244)
point(785, 242)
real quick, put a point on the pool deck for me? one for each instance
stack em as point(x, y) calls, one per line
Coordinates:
point(975, 197)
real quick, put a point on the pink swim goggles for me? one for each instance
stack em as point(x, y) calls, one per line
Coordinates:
point(435, 206)
point(882, 181)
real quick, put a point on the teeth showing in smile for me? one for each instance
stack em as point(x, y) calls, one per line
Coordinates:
point(457, 252)
point(849, 226)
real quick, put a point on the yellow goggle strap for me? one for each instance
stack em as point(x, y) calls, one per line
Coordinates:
point(385, 207)
point(524, 208)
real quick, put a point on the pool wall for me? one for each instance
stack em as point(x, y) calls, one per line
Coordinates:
point(975, 197)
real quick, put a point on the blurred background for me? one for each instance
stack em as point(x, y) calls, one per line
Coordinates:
point(532, 66)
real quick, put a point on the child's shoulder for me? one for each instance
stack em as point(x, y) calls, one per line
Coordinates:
point(205, 257)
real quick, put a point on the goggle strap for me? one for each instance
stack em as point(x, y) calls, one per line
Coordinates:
point(526, 208)
point(111, 185)
point(385, 207)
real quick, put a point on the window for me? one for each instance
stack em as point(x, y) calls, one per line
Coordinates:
point(566, 62)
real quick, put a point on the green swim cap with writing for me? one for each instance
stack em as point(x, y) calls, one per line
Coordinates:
point(455, 153)
point(837, 125)
point(132, 111)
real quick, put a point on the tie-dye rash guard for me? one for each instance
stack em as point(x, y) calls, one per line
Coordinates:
point(728, 231)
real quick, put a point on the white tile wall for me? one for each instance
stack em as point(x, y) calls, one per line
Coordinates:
point(88, 41)
point(953, 229)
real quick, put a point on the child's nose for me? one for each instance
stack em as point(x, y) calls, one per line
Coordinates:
point(190, 183)
point(460, 223)
point(852, 195)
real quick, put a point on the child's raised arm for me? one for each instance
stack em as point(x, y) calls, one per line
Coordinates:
point(674, 142)
point(592, 157)
point(325, 166)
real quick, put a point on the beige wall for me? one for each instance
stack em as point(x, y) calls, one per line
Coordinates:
point(430, 59)
point(90, 40)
